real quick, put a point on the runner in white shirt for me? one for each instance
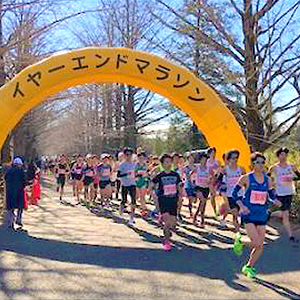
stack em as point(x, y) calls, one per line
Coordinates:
point(284, 174)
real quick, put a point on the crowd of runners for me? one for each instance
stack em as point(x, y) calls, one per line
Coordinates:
point(193, 178)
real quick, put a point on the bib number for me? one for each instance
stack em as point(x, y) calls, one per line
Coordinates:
point(202, 181)
point(286, 179)
point(258, 197)
point(170, 190)
point(106, 173)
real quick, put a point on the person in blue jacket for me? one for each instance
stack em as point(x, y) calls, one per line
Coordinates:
point(253, 208)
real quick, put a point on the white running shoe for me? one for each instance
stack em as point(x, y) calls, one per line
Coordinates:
point(131, 221)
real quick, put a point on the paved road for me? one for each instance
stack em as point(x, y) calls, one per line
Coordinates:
point(70, 252)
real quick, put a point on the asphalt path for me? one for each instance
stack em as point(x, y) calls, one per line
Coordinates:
point(70, 252)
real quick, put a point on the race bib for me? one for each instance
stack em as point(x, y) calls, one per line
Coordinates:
point(106, 173)
point(233, 180)
point(131, 175)
point(258, 197)
point(89, 173)
point(286, 178)
point(202, 181)
point(141, 172)
point(170, 190)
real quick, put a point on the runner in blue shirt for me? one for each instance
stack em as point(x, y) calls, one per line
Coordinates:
point(254, 210)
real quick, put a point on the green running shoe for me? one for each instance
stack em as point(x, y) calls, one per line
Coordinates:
point(249, 271)
point(238, 245)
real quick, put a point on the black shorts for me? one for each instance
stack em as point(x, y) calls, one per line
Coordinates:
point(104, 183)
point(96, 185)
point(131, 190)
point(286, 202)
point(113, 183)
point(232, 203)
point(88, 181)
point(78, 176)
point(204, 191)
point(168, 205)
point(61, 180)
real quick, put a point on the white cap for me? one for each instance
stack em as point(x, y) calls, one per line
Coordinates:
point(18, 161)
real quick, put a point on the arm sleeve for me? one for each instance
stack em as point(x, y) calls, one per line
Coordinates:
point(119, 175)
point(272, 195)
point(235, 192)
point(297, 177)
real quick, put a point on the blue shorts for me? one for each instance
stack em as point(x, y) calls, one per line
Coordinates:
point(190, 192)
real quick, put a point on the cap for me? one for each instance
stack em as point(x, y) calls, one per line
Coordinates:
point(18, 161)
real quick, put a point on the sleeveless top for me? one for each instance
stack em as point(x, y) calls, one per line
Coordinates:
point(231, 180)
point(256, 199)
point(203, 176)
point(284, 180)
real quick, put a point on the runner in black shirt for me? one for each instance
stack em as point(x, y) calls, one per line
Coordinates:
point(168, 192)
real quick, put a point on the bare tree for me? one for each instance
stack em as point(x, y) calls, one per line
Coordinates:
point(260, 42)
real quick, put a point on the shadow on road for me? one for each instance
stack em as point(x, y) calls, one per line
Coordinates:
point(282, 291)
point(191, 260)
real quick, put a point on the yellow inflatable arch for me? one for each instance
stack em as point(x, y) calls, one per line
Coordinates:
point(64, 69)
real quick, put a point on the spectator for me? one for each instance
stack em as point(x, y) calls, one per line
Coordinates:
point(15, 184)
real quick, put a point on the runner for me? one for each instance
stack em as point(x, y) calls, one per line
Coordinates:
point(203, 179)
point(78, 174)
point(105, 170)
point(190, 181)
point(142, 181)
point(61, 170)
point(232, 173)
point(114, 173)
point(169, 190)
point(96, 162)
point(88, 180)
point(126, 173)
point(72, 175)
point(285, 174)
point(121, 158)
point(254, 210)
point(214, 166)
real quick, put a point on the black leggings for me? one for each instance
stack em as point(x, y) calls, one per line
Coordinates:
point(132, 192)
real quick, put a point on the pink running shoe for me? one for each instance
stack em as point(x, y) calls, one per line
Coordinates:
point(167, 246)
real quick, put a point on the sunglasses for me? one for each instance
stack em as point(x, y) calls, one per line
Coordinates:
point(259, 161)
point(234, 156)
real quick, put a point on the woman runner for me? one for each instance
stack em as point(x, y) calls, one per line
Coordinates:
point(232, 173)
point(203, 179)
point(88, 180)
point(169, 191)
point(214, 166)
point(285, 174)
point(62, 169)
point(142, 182)
point(105, 170)
point(254, 210)
point(78, 174)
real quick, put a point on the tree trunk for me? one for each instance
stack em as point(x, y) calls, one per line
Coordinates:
point(130, 120)
point(255, 127)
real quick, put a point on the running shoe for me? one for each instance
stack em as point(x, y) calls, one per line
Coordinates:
point(167, 246)
point(131, 221)
point(238, 245)
point(223, 224)
point(249, 271)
